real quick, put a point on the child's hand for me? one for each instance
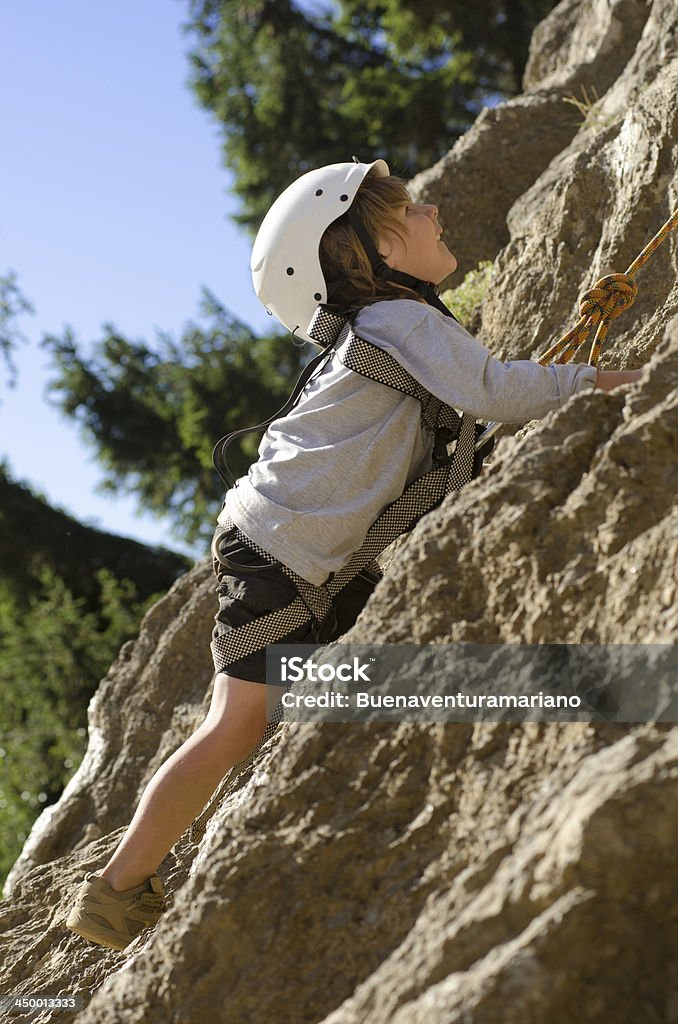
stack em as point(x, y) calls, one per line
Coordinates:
point(609, 379)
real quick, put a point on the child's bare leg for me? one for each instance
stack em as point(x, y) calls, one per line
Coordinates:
point(183, 784)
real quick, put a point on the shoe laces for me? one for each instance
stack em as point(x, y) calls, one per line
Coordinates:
point(150, 901)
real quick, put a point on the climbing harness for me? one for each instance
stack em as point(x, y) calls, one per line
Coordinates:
point(314, 604)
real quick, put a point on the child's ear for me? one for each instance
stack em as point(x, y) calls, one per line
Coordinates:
point(385, 249)
point(392, 248)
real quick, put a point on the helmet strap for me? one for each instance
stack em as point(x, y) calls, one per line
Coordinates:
point(383, 272)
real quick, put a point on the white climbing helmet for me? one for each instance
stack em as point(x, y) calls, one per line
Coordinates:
point(285, 263)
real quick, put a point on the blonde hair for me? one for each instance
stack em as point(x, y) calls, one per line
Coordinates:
point(347, 270)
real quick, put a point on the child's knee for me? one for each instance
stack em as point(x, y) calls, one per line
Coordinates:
point(238, 711)
point(222, 742)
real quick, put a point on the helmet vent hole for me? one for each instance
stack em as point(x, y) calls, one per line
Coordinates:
point(344, 198)
point(317, 296)
point(289, 271)
point(318, 191)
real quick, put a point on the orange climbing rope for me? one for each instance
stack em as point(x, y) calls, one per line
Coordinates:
point(601, 304)
point(597, 307)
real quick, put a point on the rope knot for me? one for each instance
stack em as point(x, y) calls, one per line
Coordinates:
point(609, 297)
point(606, 300)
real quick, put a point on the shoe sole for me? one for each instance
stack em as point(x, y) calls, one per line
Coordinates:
point(100, 940)
point(98, 935)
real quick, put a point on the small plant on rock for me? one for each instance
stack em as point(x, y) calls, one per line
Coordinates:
point(465, 300)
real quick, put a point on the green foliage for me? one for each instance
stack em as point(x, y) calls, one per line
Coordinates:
point(294, 86)
point(465, 300)
point(66, 607)
point(52, 655)
point(153, 415)
point(33, 535)
point(13, 304)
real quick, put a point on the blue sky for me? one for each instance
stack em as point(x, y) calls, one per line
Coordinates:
point(114, 206)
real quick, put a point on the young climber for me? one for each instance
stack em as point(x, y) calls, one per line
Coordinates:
point(347, 259)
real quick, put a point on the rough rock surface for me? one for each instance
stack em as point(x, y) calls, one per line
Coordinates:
point(454, 874)
point(582, 45)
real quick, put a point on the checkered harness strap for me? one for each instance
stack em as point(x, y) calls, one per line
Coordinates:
point(369, 361)
point(420, 497)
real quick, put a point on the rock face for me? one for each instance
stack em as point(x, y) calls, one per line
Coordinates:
point(583, 45)
point(445, 873)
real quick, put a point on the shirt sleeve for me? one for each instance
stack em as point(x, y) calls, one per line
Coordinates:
point(456, 368)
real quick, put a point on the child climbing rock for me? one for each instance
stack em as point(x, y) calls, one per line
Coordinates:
point(381, 428)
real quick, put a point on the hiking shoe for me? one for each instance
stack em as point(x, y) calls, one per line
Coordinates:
point(112, 918)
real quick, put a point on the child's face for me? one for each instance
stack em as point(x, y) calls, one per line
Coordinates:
point(420, 252)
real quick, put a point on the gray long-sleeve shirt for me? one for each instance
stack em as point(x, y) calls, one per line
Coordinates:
point(351, 445)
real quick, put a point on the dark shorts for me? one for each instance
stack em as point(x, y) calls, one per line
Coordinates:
point(250, 586)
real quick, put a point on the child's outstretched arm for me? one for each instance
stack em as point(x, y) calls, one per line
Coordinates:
point(609, 379)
